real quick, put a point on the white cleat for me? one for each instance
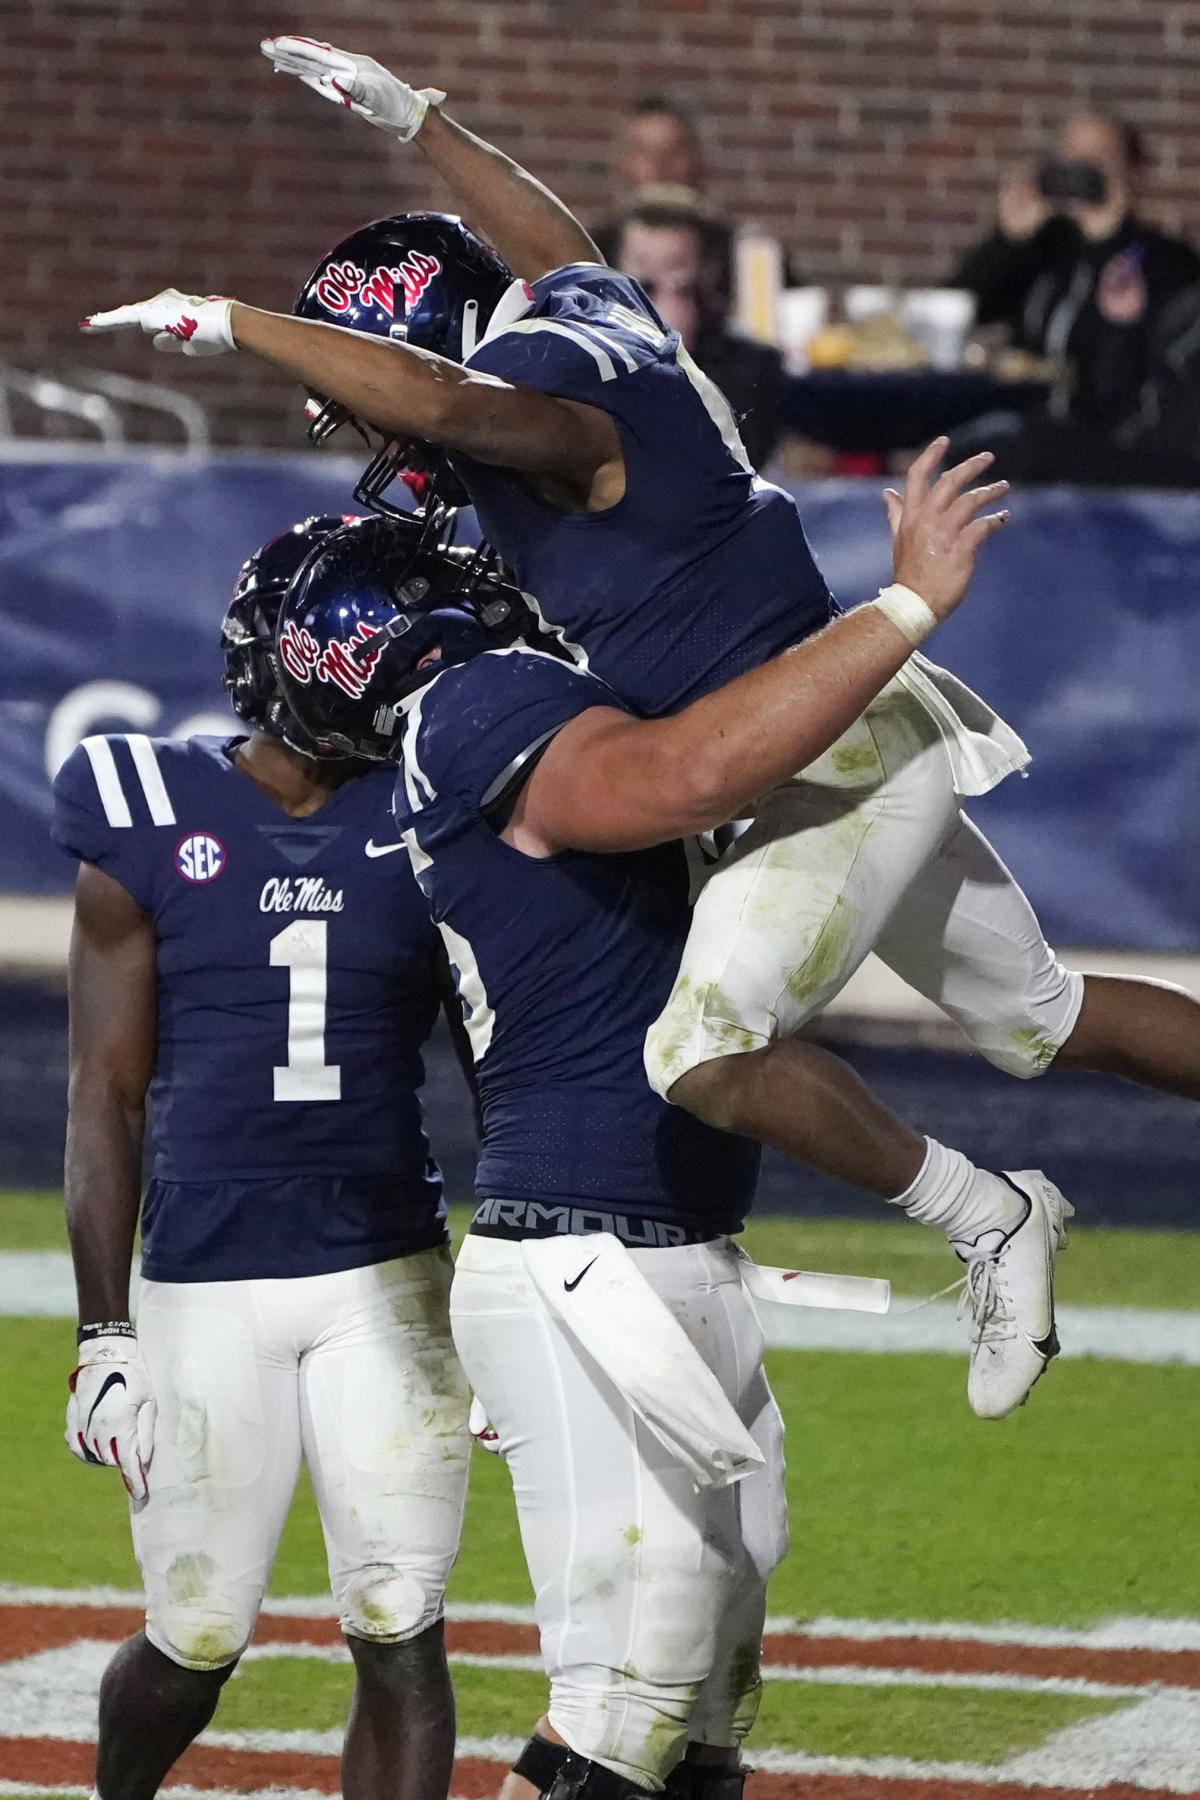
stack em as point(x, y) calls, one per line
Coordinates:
point(1010, 1291)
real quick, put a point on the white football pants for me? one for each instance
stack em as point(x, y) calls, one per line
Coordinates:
point(356, 1373)
point(866, 849)
point(649, 1596)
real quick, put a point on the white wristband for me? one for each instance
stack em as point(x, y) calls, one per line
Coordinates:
point(907, 612)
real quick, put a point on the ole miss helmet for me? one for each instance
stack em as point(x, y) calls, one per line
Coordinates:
point(373, 603)
point(248, 629)
point(416, 278)
point(421, 277)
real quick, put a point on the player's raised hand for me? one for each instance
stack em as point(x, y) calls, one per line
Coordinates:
point(183, 324)
point(110, 1415)
point(356, 82)
point(939, 524)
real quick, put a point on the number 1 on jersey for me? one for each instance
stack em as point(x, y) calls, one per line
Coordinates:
point(303, 949)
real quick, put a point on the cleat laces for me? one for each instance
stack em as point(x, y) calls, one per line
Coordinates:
point(992, 1319)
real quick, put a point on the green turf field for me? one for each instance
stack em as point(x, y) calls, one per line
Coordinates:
point(903, 1506)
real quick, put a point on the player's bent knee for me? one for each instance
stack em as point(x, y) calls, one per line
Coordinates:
point(696, 1026)
point(197, 1612)
point(202, 1644)
point(387, 1606)
point(1027, 1044)
point(636, 1728)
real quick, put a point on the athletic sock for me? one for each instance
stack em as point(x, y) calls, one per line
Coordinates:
point(976, 1209)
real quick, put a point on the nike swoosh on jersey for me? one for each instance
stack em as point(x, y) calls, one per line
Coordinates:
point(110, 1381)
point(374, 849)
point(570, 1286)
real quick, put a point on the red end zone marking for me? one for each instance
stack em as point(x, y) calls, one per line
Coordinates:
point(24, 1630)
point(49, 1761)
point(966, 1656)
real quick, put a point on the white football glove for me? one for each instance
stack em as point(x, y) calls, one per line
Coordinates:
point(358, 82)
point(481, 1430)
point(110, 1415)
point(184, 324)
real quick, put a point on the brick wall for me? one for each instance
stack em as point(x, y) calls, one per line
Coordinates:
point(145, 141)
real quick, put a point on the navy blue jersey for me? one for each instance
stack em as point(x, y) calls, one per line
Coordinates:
point(298, 975)
point(562, 964)
point(702, 570)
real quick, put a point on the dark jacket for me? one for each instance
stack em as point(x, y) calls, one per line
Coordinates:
point(752, 378)
point(1099, 304)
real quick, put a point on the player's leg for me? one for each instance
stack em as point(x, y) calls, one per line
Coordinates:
point(632, 1569)
point(778, 930)
point(727, 1705)
point(226, 1456)
point(729, 1700)
point(1147, 1031)
point(151, 1709)
point(384, 1419)
point(966, 937)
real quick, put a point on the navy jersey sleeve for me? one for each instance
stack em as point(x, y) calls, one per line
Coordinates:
point(106, 794)
point(590, 331)
point(471, 728)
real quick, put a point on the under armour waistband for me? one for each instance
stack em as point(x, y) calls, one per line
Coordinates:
point(541, 1218)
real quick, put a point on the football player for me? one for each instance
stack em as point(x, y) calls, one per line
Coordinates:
point(252, 956)
point(610, 476)
point(544, 822)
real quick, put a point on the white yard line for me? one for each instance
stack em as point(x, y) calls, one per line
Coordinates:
point(275, 1606)
point(1128, 1334)
point(1154, 1741)
point(39, 1284)
point(1153, 1744)
point(816, 1674)
point(52, 1693)
point(1123, 1632)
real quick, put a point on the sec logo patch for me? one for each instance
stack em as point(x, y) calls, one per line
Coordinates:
point(200, 857)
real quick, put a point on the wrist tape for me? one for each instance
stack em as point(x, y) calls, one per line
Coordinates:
point(111, 1328)
point(907, 612)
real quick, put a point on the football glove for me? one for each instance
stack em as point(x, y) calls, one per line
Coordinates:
point(481, 1429)
point(184, 324)
point(358, 82)
point(110, 1415)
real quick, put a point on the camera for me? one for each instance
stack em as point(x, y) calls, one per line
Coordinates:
point(1085, 183)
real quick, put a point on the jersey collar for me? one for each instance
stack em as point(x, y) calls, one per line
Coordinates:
point(513, 304)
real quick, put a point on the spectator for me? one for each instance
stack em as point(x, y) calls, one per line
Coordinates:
point(660, 147)
point(1074, 271)
point(658, 160)
point(681, 258)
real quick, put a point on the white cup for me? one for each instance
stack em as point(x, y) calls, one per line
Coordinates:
point(939, 319)
point(863, 303)
point(802, 312)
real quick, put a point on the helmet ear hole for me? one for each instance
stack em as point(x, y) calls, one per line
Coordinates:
point(373, 614)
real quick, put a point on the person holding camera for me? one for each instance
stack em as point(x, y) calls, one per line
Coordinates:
point(1076, 273)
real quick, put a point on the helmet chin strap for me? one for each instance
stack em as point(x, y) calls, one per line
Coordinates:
point(470, 328)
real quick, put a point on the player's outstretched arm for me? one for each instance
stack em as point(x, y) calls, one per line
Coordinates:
point(112, 992)
point(608, 782)
point(402, 391)
point(532, 229)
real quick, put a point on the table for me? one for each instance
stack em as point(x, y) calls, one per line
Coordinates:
point(864, 410)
